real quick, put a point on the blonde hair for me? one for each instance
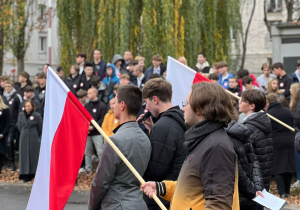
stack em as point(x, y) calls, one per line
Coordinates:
point(269, 87)
point(139, 58)
point(295, 95)
point(183, 59)
point(2, 104)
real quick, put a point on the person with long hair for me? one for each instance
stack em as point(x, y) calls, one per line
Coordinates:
point(272, 86)
point(30, 126)
point(4, 128)
point(295, 109)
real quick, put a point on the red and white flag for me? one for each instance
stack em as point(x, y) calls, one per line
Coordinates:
point(65, 130)
point(182, 78)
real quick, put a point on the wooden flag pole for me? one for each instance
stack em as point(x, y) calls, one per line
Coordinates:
point(132, 169)
point(270, 116)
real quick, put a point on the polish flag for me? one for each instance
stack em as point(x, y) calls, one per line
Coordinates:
point(182, 78)
point(65, 130)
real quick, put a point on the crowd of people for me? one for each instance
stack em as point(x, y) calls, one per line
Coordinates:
point(228, 140)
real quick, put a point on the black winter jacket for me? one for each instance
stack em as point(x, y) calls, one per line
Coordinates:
point(260, 127)
point(13, 102)
point(250, 177)
point(168, 152)
point(97, 110)
point(73, 83)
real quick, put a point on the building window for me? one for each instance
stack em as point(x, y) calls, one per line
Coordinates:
point(42, 11)
point(274, 5)
point(42, 44)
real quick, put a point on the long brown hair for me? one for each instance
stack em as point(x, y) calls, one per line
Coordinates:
point(295, 95)
point(269, 86)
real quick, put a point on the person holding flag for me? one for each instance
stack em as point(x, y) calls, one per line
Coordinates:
point(114, 185)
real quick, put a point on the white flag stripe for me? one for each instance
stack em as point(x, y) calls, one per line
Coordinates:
point(181, 77)
point(39, 197)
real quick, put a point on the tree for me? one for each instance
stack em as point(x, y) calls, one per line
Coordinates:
point(18, 27)
point(245, 35)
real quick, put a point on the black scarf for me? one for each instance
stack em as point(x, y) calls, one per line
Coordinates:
point(198, 132)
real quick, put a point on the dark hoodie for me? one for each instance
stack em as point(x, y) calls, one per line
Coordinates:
point(250, 177)
point(168, 152)
point(260, 127)
point(122, 69)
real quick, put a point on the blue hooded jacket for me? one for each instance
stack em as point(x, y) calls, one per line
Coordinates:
point(113, 77)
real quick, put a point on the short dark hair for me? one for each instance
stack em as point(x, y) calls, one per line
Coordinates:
point(157, 58)
point(59, 69)
point(158, 87)
point(25, 75)
point(81, 93)
point(132, 97)
point(41, 76)
point(277, 65)
point(28, 89)
point(247, 80)
point(271, 98)
point(222, 64)
point(76, 67)
point(153, 76)
point(95, 80)
point(88, 64)
point(235, 78)
point(265, 65)
point(213, 76)
point(81, 54)
point(213, 101)
point(133, 62)
point(242, 73)
point(255, 97)
point(203, 54)
point(298, 63)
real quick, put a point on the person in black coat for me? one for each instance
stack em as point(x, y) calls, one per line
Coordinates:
point(166, 135)
point(283, 144)
point(85, 79)
point(250, 177)
point(260, 127)
point(13, 100)
point(4, 128)
point(73, 81)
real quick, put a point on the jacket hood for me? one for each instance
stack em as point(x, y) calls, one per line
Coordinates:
point(114, 69)
point(177, 115)
point(238, 131)
point(261, 121)
point(116, 58)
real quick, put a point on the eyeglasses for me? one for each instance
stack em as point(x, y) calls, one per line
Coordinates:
point(184, 103)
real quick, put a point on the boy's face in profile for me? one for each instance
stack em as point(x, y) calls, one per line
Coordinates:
point(249, 86)
point(233, 83)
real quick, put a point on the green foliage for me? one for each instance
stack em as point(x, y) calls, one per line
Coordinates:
point(169, 28)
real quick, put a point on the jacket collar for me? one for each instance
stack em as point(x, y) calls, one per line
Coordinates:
point(125, 125)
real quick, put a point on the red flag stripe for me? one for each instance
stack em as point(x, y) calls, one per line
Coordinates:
point(200, 78)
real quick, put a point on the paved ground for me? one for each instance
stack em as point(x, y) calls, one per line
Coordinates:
point(15, 196)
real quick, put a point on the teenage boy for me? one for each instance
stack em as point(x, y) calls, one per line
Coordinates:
point(157, 68)
point(97, 109)
point(263, 79)
point(85, 80)
point(224, 75)
point(260, 126)
point(114, 185)
point(247, 82)
point(73, 81)
point(99, 65)
point(234, 86)
point(202, 65)
point(284, 80)
point(80, 60)
point(166, 135)
point(22, 83)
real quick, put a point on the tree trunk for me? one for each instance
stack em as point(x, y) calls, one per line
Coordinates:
point(1, 42)
point(1, 50)
point(290, 7)
point(21, 64)
point(265, 17)
point(246, 36)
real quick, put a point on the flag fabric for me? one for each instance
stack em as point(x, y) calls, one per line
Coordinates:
point(65, 130)
point(182, 78)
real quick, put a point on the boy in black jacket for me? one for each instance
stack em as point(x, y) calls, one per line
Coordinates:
point(97, 109)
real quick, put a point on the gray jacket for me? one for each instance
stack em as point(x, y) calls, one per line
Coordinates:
point(114, 185)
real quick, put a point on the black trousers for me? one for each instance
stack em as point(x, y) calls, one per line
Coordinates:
point(283, 182)
point(12, 135)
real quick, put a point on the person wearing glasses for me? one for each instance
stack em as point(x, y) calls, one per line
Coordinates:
point(166, 135)
point(13, 100)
